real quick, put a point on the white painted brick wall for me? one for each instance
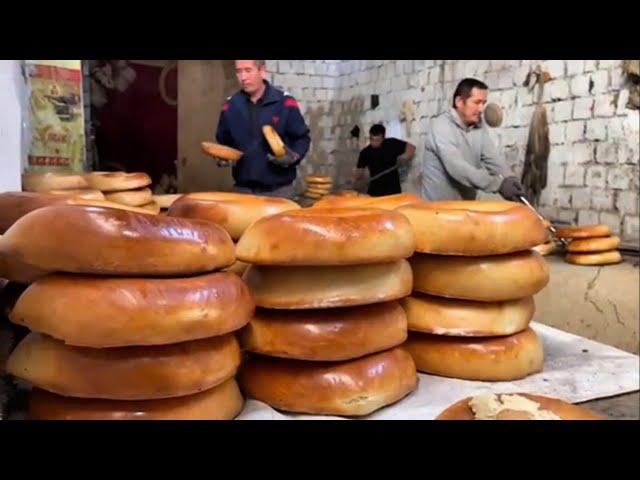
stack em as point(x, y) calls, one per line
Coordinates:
point(596, 176)
point(600, 81)
point(619, 177)
point(606, 153)
point(589, 65)
point(575, 67)
point(575, 131)
point(574, 176)
point(580, 153)
point(611, 219)
point(631, 229)
point(580, 198)
point(580, 85)
point(596, 129)
point(588, 217)
point(601, 199)
point(604, 106)
point(582, 108)
point(627, 202)
point(595, 147)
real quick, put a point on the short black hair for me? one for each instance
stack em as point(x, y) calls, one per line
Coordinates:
point(465, 86)
point(377, 130)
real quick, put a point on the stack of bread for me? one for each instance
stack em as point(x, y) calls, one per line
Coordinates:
point(326, 338)
point(129, 316)
point(129, 189)
point(474, 279)
point(234, 212)
point(591, 245)
point(318, 186)
point(14, 205)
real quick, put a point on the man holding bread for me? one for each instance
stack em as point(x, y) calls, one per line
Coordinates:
point(260, 170)
point(460, 157)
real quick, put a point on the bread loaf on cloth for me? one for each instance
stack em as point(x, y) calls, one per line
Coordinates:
point(487, 359)
point(222, 402)
point(353, 387)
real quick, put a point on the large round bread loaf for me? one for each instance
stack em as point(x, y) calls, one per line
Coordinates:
point(332, 334)
point(314, 236)
point(353, 387)
point(487, 359)
point(114, 312)
point(96, 240)
point(486, 279)
point(222, 402)
point(125, 373)
point(232, 211)
point(474, 228)
point(328, 287)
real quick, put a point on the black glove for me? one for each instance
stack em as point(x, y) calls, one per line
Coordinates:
point(511, 189)
point(222, 163)
point(287, 159)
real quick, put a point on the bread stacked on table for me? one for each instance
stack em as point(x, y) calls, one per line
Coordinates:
point(591, 245)
point(474, 279)
point(327, 336)
point(318, 186)
point(129, 189)
point(130, 317)
point(234, 212)
point(386, 202)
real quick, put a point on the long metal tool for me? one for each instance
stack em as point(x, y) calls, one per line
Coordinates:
point(552, 229)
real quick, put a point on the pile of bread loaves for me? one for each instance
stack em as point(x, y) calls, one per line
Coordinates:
point(318, 186)
point(112, 189)
point(325, 310)
point(591, 245)
point(474, 278)
point(136, 323)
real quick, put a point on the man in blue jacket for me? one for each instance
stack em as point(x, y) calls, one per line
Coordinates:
point(244, 114)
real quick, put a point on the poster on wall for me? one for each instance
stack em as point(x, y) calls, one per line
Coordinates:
point(56, 117)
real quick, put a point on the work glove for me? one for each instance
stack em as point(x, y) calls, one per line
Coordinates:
point(222, 163)
point(511, 189)
point(290, 157)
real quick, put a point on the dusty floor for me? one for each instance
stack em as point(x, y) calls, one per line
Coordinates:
point(600, 303)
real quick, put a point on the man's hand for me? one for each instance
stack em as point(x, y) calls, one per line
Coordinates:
point(287, 159)
point(222, 163)
point(511, 189)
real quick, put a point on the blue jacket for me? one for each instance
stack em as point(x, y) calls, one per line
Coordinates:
point(276, 108)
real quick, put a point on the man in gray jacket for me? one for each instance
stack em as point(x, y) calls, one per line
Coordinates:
point(460, 155)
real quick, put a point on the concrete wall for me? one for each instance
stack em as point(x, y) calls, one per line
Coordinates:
point(593, 166)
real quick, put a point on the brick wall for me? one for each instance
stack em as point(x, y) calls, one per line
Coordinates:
point(593, 165)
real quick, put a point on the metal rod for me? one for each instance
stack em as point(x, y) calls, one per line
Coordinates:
point(551, 227)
